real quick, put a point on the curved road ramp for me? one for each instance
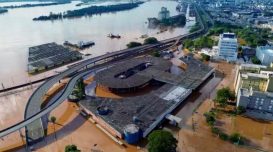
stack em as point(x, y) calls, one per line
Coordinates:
point(33, 112)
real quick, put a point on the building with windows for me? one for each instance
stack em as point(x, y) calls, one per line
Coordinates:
point(254, 89)
point(228, 47)
point(257, 77)
point(257, 104)
point(265, 54)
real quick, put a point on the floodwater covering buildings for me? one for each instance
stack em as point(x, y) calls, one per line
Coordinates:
point(132, 118)
point(50, 55)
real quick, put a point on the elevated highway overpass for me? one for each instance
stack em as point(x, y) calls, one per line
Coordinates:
point(33, 111)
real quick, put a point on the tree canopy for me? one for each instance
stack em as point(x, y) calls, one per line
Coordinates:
point(161, 141)
point(210, 118)
point(179, 20)
point(53, 119)
point(133, 44)
point(255, 60)
point(150, 40)
point(188, 43)
point(205, 57)
point(202, 42)
point(223, 95)
point(253, 36)
point(79, 90)
point(236, 138)
point(71, 148)
point(90, 11)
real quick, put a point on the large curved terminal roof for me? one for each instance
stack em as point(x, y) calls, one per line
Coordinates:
point(132, 73)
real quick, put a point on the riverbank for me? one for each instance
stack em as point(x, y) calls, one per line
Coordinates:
point(92, 10)
point(34, 5)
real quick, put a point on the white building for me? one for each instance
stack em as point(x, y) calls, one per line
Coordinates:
point(228, 47)
point(210, 52)
point(265, 54)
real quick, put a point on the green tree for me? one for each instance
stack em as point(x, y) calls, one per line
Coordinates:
point(188, 43)
point(255, 60)
point(150, 40)
point(215, 130)
point(203, 42)
point(53, 120)
point(210, 118)
point(223, 95)
point(181, 20)
point(236, 138)
point(71, 148)
point(223, 136)
point(80, 89)
point(195, 27)
point(205, 57)
point(156, 54)
point(133, 44)
point(240, 49)
point(161, 141)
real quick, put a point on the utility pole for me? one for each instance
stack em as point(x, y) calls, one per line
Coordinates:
point(3, 86)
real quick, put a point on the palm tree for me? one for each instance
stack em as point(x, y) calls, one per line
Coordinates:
point(53, 120)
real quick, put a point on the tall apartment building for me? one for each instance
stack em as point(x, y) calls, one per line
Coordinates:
point(228, 47)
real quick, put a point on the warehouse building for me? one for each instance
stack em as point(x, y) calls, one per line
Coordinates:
point(50, 55)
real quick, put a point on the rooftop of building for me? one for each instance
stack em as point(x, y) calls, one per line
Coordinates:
point(242, 66)
point(254, 76)
point(135, 72)
point(250, 92)
point(146, 111)
point(228, 36)
point(50, 55)
point(266, 49)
